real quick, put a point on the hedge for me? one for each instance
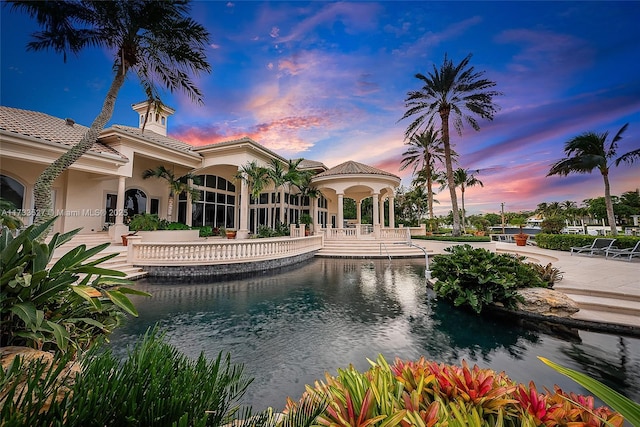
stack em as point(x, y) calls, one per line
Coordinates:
point(564, 242)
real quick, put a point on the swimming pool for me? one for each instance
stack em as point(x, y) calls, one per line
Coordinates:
point(290, 327)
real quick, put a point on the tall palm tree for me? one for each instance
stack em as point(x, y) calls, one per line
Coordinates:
point(464, 178)
point(177, 185)
point(589, 151)
point(423, 152)
point(278, 174)
point(450, 89)
point(157, 40)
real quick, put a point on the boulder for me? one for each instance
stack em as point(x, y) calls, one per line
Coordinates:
point(546, 302)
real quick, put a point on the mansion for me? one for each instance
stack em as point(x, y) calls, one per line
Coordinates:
point(105, 186)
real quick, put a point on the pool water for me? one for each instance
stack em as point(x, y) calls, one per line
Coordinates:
point(290, 327)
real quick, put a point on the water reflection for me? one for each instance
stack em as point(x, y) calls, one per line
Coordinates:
point(292, 326)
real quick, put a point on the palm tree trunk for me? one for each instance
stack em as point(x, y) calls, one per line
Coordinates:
point(607, 201)
point(429, 190)
point(42, 188)
point(444, 116)
point(464, 228)
point(170, 206)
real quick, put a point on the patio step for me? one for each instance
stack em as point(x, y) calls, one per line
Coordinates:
point(119, 262)
point(605, 306)
point(369, 248)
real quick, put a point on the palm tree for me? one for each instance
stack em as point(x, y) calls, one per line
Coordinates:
point(177, 185)
point(425, 149)
point(589, 151)
point(464, 178)
point(257, 177)
point(278, 176)
point(450, 89)
point(155, 39)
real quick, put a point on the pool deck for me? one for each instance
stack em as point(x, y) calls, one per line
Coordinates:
point(607, 290)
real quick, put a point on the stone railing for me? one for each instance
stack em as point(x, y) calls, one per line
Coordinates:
point(395, 233)
point(218, 251)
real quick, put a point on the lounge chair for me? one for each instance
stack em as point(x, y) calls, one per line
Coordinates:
point(599, 246)
point(628, 252)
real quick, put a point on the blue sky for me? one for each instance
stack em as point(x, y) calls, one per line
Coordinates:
point(327, 81)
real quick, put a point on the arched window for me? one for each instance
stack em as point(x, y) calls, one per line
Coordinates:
point(12, 191)
point(135, 202)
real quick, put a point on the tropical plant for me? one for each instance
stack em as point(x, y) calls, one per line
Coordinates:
point(450, 89)
point(157, 40)
point(589, 151)
point(144, 222)
point(553, 225)
point(464, 178)
point(177, 185)
point(477, 277)
point(425, 393)
point(425, 149)
point(8, 218)
point(67, 306)
point(255, 176)
point(548, 273)
point(155, 385)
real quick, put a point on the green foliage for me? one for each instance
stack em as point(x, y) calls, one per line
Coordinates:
point(306, 219)
point(8, 217)
point(477, 277)
point(548, 273)
point(628, 408)
point(425, 394)
point(177, 226)
point(564, 242)
point(65, 306)
point(205, 231)
point(145, 222)
point(474, 239)
point(280, 231)
point(552, 225)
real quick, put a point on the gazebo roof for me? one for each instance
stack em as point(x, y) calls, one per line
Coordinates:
point(354, 168)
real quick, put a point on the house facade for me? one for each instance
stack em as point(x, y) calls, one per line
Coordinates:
point(105, 187)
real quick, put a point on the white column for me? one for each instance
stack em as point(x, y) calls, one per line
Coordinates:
point(189, 217)
point(243, 231)
point(120, 201)
point(392, 212)
point(281, 219)
point(381, 206)
point(376, 216)
point(313, 201)
point(359, 212)
point(376, 209)
point(340, 218)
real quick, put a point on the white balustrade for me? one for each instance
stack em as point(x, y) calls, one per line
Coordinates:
point(365, 231)
point(219, 251)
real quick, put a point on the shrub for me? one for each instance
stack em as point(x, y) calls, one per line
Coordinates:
point(205, 231)
point(425, 393)
point(455, 239)
point(176, 226)
point(70, 304)
point(477, 277)
point(145, 222)
point(564, 242)
point(552, 225)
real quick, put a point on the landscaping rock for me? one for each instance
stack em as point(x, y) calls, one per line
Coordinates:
point(547, 302)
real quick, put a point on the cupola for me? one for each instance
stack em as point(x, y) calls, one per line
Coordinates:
point(158, 117)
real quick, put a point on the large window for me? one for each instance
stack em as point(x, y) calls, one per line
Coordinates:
point(217, 204)
point(12, 191)
point(135, 202)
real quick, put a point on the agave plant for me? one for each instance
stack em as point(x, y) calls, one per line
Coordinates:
point(67, 306)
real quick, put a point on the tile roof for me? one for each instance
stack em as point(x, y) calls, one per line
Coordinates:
point(48, 128)
point(354, 168)
point(154, 137)
point(311, 164)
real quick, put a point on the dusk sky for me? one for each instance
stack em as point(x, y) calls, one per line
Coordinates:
point(327, 81)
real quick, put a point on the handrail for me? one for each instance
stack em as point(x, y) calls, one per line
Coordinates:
point(385, 249)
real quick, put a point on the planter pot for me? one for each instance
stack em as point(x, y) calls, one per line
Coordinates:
point(521, 239)
point(124, 240)
point(231, 234)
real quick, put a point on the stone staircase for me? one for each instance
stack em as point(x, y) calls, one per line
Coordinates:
point(119, 262)
point(369, 248)
point(607, 306)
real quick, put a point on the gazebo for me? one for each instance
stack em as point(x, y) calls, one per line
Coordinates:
point(358, 181)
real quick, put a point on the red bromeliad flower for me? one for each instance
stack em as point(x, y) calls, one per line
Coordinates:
point(531, 401)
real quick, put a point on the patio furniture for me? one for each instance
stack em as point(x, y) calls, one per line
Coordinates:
point(598, 246)
point(628, 252)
